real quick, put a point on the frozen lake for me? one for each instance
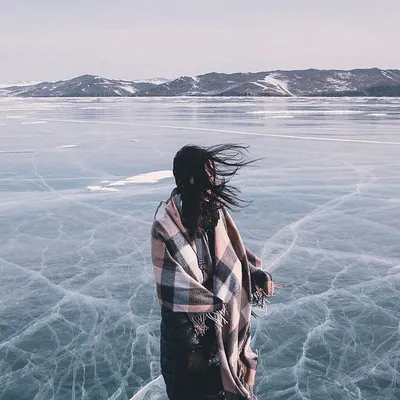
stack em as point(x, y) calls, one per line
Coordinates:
point(78, 314)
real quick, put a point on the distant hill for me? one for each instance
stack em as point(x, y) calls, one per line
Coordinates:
point(310, 82)
point(81, 86)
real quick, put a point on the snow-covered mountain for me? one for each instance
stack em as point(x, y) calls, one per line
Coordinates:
point(20, 83)
point(82, 86)
point(311, 82)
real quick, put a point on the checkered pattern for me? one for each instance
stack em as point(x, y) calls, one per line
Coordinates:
point(179, 287)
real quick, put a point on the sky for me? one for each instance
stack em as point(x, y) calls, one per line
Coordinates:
point(135, 39)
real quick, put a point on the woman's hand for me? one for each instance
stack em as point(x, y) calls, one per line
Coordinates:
point(269, 288)
point(262, 280)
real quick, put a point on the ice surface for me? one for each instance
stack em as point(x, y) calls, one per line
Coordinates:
point(78, 313)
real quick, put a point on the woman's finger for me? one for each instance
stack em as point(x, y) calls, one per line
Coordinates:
point(270, 288)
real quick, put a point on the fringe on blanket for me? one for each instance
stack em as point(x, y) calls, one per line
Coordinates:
point(259, 300)
point(199, 320)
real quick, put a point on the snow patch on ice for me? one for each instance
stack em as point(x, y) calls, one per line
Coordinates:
point(151, 177)
point(69, 146)
point(33, 122)
point(101, 189)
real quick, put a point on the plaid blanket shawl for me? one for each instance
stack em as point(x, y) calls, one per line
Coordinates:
point(179, 288)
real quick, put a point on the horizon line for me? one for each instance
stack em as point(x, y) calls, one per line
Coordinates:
point(33, 82)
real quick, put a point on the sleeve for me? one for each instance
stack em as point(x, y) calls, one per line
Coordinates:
point(259, 277)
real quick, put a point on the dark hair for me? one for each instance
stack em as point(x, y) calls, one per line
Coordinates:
point(202, 176)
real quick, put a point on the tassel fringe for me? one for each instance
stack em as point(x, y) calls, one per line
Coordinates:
point(199, 321)
point(258, 299)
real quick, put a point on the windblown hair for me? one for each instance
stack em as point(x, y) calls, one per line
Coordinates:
point(202, 176)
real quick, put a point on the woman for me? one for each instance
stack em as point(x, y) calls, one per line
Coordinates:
point(206, 280)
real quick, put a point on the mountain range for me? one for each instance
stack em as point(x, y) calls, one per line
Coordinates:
point(311, 82)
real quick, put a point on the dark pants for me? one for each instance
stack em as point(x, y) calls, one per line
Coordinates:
point(187, 385)
point(176, 341)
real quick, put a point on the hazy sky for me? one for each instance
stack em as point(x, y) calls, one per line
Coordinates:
point(60, 39)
